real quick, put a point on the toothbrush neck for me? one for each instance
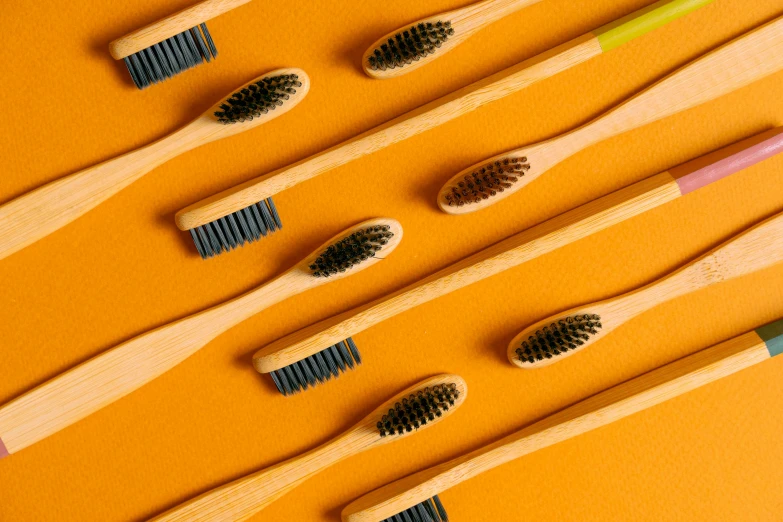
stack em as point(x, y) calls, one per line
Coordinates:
point(483, 13)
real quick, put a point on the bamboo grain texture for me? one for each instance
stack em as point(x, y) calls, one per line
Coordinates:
point(171, 25)
point(244, 497)
point(34, 215)
point(624, 400)
point(107, 377)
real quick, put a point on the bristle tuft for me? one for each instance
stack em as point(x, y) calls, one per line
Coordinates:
point(559, 338)
point(232, 231)
point(318, 368)
point(487, 181)
point(431, 510)
point(171, 56)
point(351, 251)
point(410, 46)
point(257, 99)
point(418, 409)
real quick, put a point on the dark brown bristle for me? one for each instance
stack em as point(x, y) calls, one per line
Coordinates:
point(257, 99)
point(418, 409)
point(487, 181)
point(351, 251)
point(410, 46)
point(431, 510)
point(559, 338)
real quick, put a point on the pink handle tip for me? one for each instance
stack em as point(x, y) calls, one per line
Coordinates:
point(3, 450)
point(734, 163)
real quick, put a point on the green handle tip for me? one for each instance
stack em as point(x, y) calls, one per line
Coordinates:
point(642, 22)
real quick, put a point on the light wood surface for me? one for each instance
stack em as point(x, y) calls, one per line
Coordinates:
point(743, 61)
point(424, 118)
point(465, 21)
point(246, 496)
point(631, 397)
point(171, 25)
point(38, 213)
point(117, 372)
point(756, 249)
point(525, 246)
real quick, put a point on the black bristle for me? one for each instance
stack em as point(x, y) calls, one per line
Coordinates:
point(351, 251)
point(487, 181)
point(417, 409)
point(246, 225)
point(318, 368)
point(431, 510)
point(410, 45)
point(258, 99)
point(559, 338)
point(171, 56)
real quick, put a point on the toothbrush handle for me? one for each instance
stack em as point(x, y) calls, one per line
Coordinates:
point(479, 15)
point(729, 68)
point(244, 497)
point(38, 213)
point(612, 405)
point(100, 381)
point(756, 249)
point(620, 32)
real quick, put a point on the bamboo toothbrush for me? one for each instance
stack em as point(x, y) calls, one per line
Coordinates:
point(418, 407)
point(303, 346)
point(643, 392)
point(419, 43)
point(745, 60)
point(213, 212)
point(105, 378)
point(37, 214)
point(173, 45)
point(567, 333)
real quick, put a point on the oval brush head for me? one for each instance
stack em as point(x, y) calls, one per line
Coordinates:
point(258, 98)
point(407, 46)
point(362, 247)
point(482, 182)
point(546, 341)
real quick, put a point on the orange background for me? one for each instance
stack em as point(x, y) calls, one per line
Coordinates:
point(714, 454)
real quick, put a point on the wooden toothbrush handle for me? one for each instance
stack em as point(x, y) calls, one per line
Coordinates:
point(612, 405)
point(38, 213)
point(756, 249)
point(525, 246)
point(741, 62)
point(479, 15)
point(244, 497)
point(100, 381)
point(171, 25)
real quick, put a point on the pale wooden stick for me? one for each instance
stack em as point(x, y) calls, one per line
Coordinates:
point(85, 389)
point(242, 498)
point(38, 213)
point(617, 403)
point(525, 246)
point(438, 112)
point(755, 249)
point(747, 59)
point(171, 25)
point(464, 22)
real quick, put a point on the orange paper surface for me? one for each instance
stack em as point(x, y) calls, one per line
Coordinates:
point(124, 268)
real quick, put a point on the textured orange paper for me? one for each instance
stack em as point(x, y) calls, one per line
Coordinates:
point(713, 455)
